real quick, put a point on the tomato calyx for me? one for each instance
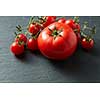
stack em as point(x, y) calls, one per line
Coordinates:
point(88, 38)
point(19, 41)
point(42, 19)
point(35, 36)
point(55, 32)
point(20, 37)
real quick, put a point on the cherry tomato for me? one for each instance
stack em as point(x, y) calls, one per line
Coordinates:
point(87, 44)
point(49, 20)
point(16, 48)
point(78, 37)
point(34, 28)
point(21, 37)
point(32, 44)
point(62, 20)
point(71, 23)
point(77, 28)
point(57, 41)
point(54, 17)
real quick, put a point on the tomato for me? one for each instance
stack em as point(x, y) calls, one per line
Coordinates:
point(17, 48)
point(57, 41)
point(48, 20)
point(62, 20)
point(32, 44)
point(54, 17)
point(34, 28)
point(78, 37)
point(75, 26)
point(87, 44)
point(71, 23)
point(21, 37)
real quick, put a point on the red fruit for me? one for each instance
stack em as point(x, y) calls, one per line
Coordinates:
point(62, 20)
point(32, 44)
point(21, 37)
point(78, 37)
point(34, 28)
point(70, 23)
point(57, 41)
point(16, 48)
point(87, 44)
point(49, 20)
point(77, 28)
point(54, 17)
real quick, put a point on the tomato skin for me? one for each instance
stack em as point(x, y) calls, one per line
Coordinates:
point(71, 23)
point(31, 28)
point(77, 28)
point(17, 49)
point(54, 17)
point(62, 20)
point(34, 28)
point(32, 44)
point(78, 37)
point(58, 48)
point(87, 44)
point(21, 37)
point(49, 20)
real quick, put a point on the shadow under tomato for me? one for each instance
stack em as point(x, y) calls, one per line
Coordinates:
point(30, 57)
point(36, 52)
point(70, 64)
point(82, 67)
point(21, 56)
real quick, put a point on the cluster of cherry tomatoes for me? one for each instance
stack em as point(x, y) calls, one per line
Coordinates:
point(55, 27)
point(34, 27)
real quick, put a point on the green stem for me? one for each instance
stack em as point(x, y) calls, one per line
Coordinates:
point(15, 33)
point(31, 19)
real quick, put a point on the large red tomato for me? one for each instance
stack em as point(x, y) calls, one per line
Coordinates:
point(57, 41)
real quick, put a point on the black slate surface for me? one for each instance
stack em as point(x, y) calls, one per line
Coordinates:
point(33, 67)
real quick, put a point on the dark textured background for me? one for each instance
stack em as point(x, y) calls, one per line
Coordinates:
point(33, 67)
